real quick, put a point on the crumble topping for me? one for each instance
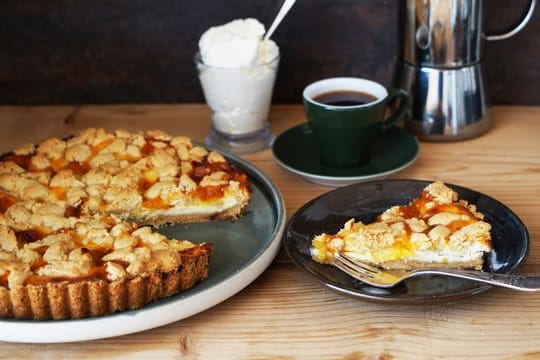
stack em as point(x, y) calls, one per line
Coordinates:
point(63, 204)
point(434, 228)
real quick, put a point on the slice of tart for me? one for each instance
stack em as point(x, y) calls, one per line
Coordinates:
point(434, 230)
point(72, 214)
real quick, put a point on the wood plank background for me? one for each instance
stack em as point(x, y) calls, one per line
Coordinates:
point(130, 51)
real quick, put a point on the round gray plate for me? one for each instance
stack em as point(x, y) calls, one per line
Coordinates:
point(242, 251)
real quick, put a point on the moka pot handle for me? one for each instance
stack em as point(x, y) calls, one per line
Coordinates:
point(517, 27)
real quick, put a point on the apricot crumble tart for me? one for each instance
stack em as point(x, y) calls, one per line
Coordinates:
point(74, 240)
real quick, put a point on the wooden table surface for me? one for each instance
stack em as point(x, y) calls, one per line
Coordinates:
point(286, 315)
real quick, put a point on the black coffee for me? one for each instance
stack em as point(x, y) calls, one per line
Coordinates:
point(345, 98)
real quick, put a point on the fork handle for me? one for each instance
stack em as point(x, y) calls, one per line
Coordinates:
point(512, 281)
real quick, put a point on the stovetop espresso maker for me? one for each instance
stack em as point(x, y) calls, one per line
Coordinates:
point(442, 67)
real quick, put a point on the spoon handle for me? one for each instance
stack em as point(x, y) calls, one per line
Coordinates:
point(287, 5)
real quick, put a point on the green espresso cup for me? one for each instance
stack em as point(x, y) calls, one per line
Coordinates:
point(348, 114)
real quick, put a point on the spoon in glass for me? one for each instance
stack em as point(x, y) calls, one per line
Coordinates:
point(287, 5)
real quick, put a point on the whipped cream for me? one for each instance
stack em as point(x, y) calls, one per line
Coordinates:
point(238, 43)
point(237, 70)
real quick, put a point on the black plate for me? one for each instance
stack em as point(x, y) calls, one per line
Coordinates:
point(364, 202)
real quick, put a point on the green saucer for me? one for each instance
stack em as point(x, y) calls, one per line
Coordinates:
point(296, 150)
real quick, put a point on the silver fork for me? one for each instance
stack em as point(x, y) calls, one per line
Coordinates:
point(387, 278)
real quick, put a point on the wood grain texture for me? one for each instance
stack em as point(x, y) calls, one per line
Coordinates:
point(286, 315)
point(128, 51)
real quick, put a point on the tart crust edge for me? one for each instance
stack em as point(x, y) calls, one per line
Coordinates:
point(76, 300)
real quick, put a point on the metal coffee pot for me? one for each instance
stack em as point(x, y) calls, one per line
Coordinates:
point(442, 67)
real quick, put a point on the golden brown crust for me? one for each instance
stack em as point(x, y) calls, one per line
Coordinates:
point(408, 264)
point(64, 300)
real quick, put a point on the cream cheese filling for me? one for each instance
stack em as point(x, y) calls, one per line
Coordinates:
point(440, 256)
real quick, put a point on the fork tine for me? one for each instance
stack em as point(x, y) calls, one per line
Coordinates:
point(346, 263)
point(367, 273)
point(364, 277)
point(357, 264)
